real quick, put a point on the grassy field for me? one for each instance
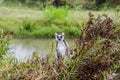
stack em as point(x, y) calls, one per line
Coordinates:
point(34, 23)
point(17, 13)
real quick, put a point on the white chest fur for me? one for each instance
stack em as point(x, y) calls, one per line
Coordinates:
point(61, 47)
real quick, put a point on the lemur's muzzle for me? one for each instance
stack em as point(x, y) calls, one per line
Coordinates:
point(59, 39)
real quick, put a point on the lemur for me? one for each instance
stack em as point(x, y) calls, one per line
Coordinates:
point(62, 49)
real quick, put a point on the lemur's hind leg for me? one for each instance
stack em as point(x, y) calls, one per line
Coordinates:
point(58, 56)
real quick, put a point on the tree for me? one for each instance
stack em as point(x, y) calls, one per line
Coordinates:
point(44, 3)
point(57, 3)
point(99, 2)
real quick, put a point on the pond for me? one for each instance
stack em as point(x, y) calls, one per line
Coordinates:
point(24, 48)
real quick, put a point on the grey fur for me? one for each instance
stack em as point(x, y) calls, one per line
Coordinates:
point(62, 50)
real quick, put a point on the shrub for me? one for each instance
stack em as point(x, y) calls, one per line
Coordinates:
point(98, 46)
point(53, 13)
point(26, 25)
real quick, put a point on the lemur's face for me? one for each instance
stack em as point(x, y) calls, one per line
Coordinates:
point(59, 37)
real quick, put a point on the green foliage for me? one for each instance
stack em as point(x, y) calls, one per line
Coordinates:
point(26, 25)
point(4, 42)
point(72, 31)
point(52, 13)
point(49, 31)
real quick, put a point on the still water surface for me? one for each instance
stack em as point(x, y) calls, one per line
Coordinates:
point(24, 48)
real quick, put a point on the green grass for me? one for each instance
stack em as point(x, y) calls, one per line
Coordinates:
point(37, 23)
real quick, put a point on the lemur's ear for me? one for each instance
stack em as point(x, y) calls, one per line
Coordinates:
point(55, 34)
point(63, 34)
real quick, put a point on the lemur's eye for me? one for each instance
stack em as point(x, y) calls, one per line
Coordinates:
point(57, 37)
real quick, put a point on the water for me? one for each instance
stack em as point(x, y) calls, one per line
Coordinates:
point(24, 48)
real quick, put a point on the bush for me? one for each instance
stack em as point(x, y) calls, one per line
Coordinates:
point(53, 13)
point(26, 25)
point(99, 48)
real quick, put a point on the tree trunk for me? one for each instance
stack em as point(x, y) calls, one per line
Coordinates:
point(57, 3)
